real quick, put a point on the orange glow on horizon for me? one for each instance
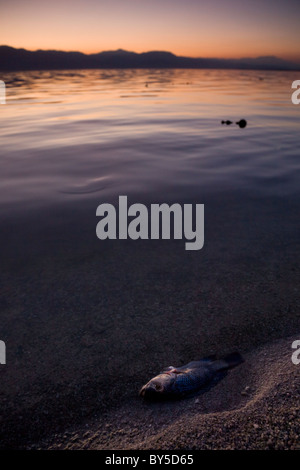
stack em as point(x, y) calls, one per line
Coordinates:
point(213, 30)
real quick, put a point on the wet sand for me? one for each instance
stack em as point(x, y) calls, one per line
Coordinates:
point(86, 324)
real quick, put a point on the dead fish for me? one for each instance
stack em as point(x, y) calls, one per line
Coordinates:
point(242, 123)
point(226, 122)
point(180, 381)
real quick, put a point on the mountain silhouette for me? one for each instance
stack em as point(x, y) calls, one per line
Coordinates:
point(22, 59)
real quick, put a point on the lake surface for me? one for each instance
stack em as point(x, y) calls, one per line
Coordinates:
point(87, 322)
point(67, 135)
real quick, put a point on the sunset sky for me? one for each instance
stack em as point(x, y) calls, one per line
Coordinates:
point(214, 28)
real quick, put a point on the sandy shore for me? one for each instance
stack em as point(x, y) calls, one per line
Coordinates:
point(256, 406)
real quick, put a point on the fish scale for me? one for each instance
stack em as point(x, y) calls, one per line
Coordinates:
point(188, 382)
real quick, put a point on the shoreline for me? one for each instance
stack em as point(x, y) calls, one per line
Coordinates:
point(254, 407)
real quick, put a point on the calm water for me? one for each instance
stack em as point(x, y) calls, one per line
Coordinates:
point(73, 135)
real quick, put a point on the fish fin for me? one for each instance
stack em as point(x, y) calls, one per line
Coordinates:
point(167, 369)
point(172, 370)
point(229, 361)
point(234, 359)
point(212, 357)
point(195, 364)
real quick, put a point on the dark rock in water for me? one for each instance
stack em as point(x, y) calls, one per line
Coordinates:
point(242, 123)
point(227, 122)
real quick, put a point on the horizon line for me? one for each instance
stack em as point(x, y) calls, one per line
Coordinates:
point(265, 56)
point(52, 59)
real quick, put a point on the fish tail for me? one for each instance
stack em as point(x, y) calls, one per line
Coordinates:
point(229, 361)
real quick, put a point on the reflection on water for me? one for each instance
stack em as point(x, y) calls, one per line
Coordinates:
point(65, 135)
